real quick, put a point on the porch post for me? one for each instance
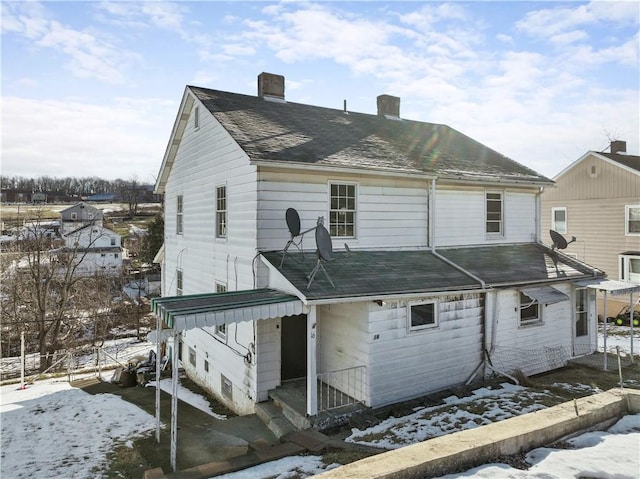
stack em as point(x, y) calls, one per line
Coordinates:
point(312, 381)
point(174, 402)
point(604, 334)
point(631, 311)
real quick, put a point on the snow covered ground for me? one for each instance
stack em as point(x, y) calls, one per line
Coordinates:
point(50, 429)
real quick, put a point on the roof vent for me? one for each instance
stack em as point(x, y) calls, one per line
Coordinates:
point(389, 106)
point(271, 86)
point(618, 146)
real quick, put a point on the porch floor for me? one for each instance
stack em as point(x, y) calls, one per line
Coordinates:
point(292, 397)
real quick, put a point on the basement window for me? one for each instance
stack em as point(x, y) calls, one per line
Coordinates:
point(226, 387)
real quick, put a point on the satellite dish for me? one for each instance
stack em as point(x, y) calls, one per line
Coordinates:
point(293, 222)
point(324, 243)
point(559, 241)
point(325, 253)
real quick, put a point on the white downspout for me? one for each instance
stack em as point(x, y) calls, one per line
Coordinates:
point(432, 216)
point(312, 368)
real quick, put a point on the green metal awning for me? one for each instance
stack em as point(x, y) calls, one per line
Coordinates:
point(214, 309)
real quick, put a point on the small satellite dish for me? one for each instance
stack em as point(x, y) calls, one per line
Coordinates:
point(324, 243)
point(293, 222)
point(325, 253)
point(559, 241)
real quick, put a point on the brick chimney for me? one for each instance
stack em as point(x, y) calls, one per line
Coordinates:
point(389, 106)
point(618, 146)
point(271, 86)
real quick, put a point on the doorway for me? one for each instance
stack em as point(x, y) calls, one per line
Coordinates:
point(293, 350)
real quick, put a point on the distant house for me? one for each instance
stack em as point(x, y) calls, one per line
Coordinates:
point(17, 195)
point(98, 248)
point(103, 198)
point(597, 200)
point(446, 277)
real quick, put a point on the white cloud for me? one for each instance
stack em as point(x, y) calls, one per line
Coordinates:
point(55, 137)
point(563, 39)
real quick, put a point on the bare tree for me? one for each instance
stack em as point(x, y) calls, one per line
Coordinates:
point(130, 193)
point(46, 290)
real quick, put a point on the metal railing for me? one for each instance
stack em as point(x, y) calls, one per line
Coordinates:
point(342, 387)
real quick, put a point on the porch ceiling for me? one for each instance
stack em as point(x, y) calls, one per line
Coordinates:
point(214, 309)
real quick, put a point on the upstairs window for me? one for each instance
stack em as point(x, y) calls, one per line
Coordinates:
point(422, 316)
point(113, 241)
point(179, 282)
point(630, 267)
point(494, 220)
point(342, 210)
point(632, 220)
point(179, 206)
point(529, 310)
point(559, 219)
point(221, 211)
point(196, 118)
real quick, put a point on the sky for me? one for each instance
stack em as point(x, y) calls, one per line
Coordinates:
point(93, 88)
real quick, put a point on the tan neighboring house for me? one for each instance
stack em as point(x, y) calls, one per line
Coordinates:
point(597, 200)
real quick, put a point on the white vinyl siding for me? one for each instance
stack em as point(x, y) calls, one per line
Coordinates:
point(391, 213)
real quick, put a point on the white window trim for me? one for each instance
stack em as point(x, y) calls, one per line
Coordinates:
point(179, 282)
point(196, 118)
point(356, 214)
point(553, 219)
point(624, 268)
point(226, 212)
point(499, 234)
point(179, 214)
point(528, 322)
point(426, 327)
point(627, 218)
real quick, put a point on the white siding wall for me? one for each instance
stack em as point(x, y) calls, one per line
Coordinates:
point(391, 213)
point(402, 364)
point(208, 158)
point(460, 217)
point(533, 348)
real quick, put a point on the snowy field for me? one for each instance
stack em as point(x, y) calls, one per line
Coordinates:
point(51, 430)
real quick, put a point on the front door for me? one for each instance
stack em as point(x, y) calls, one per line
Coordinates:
point(294, 347)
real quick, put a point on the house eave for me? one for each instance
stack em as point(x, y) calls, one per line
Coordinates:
point(386, 172)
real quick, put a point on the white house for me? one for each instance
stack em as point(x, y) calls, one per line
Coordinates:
point(96, 247)
point(446, 277)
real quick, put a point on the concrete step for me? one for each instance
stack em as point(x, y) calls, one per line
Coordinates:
point(273, 416)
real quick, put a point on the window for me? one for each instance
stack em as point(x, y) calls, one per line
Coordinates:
point(192, 357)
point(559, 219)
point(113, 241)
point(632, 220)
point(630, 267)
point(196, 118)
point(221, 211)
point(494, 212)
point(179, 284)
point(529, 310)
point(115, 255)
point(422, 316)
point(582, 325)
point(206, 366)
point(342, 211)
point(179, 207)
point(221, 329)
point(74, 216)
point(226, 387)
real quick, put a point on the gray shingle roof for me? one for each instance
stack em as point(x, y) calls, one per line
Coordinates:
point(380, 273)
point(294, 132)
point(631, 161)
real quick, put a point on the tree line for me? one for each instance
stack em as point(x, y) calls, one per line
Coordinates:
point(72, 186)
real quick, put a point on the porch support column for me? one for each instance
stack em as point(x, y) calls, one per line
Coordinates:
point(312, 381)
